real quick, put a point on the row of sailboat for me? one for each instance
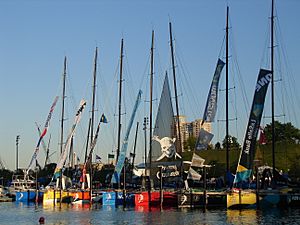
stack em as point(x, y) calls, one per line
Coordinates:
point(166, 163)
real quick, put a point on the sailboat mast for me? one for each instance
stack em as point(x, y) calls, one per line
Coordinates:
point(47, 152)
point(227, 124)
point(151, 99)
point(63, 106)
point(93, 95)
point(272, 86)
point(134, 147)
point(87, 143)
point(175, 89)
point(120, 100)
point(71, 154)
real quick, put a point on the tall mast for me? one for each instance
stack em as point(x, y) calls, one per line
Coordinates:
point(151, 99)
point(47, 152)
point(120, 100)
point(272, 85)
point(63, 106)
point(145, 140)
point(175, 89)
point(87, 143)
point(91, 125)
point(134, 147)
point(93, 96)
point(227, 126)
point(71, 154)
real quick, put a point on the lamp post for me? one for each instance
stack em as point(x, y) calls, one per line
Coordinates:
point(17, 152)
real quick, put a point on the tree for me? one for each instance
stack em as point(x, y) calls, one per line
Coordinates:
point(190, 143)
point(233, 143)
point(218, 145)
point(283, 132)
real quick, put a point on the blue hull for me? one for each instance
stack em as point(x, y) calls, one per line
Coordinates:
point(27, 196)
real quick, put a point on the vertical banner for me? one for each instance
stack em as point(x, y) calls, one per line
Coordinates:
point(63, 155)
point(212, 98)
point(244, 168)
point(42, 134)
point(121, 159)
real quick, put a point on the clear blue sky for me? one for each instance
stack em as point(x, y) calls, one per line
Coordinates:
point(36, 35)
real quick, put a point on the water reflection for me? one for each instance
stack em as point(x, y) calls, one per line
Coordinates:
point(245, 216)
point(11, 213)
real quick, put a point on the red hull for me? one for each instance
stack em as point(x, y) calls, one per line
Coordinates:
point(153, 199)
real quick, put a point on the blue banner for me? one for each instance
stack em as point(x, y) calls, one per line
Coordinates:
point(121, 159)
point(212, 98)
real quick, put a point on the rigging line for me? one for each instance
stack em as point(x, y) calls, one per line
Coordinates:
point(276, 116)
point(129, 79)
point(229, 89)
point(290, 81)
point(280, 94)
point(111, 106)
point(234, 106)
point(186, 85)
point(265, 59)
point(224, 120)
point(143, 81)
point(222, 49)
point(239, 76)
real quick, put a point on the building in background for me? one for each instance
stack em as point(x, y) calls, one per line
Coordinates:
point(190, 129)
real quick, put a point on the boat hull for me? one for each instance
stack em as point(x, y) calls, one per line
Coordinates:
point(80, 195)
point(146, 198)
point(115, 198)
point(197, 199)
point(28, 196)
point(52, 196)
point(241, 199)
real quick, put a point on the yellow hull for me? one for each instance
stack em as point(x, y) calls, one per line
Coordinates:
point(52, 196)
point(241, 198)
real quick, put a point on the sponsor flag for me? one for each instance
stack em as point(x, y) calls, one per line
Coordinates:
point(245, 164)
point(43, 133)
point(63, 155)
point(204, 139)
point(122, 155)
point(212, 98)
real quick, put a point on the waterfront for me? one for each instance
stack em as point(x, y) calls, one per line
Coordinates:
point(16, 213)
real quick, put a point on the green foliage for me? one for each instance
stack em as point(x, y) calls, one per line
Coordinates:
point(5, 176)
point(190, 144)
point(218, 145)
point(283, 132)
point(233, 143)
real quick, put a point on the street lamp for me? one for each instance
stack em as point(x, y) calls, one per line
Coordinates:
point(17, 152)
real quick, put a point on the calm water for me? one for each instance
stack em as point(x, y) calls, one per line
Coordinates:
point(16, 213)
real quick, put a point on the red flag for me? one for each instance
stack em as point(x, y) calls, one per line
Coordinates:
point(262, 137)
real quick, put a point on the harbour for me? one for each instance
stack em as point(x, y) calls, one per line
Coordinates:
point(140, 151)
point(19, 213)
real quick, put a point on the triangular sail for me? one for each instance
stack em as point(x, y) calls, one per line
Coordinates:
point(245, 164)
point(164, 119)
